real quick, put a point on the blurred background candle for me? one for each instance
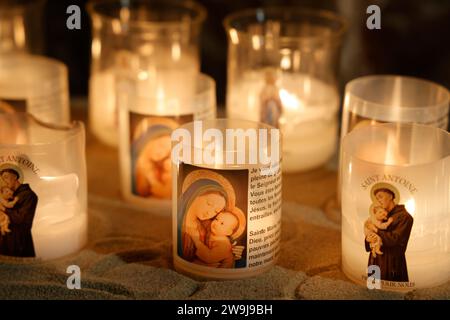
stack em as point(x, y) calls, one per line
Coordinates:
point(21, 26)
point(150, 108)
point(44, 167)
point(35, 84)
point(399, 172)
point(141, 37)
point(282, 65)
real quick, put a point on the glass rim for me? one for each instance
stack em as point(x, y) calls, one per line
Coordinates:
point(326, 15)
point(199, 17)
point(357, 131)
point(73, 130)
point(350, 86)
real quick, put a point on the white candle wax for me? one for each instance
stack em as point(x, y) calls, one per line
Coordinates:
point(308, 121)
point(60, 222)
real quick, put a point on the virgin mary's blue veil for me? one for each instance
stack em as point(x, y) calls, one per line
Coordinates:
point(196, 189)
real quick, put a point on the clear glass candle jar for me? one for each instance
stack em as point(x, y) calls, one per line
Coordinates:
point(391, 98)
point(35, 84)
point(282, 66)
point(226, 198)
point(395, 206)
point(43, 205)
point(149, 110)
point(149, 36)
point(21, 26)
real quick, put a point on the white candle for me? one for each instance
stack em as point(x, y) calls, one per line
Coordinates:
point(308, 121)
point(150, 109)
point(43, 211)
point(413, 163)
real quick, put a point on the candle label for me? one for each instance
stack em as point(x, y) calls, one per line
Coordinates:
point(18, 204)
point(227, 219)
point(150, 148)
point(13, 105)
point(388, 226)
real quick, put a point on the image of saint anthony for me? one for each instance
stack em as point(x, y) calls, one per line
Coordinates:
point(150, 157)
point(19, 208)
point(390, 236)
point(209, 223)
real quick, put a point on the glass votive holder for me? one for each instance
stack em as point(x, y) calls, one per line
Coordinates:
point(21, 26)
point(149, 111)
point(282, 70)
point(145, 37)
point(391, 98)
point(395, 206)
point(226, 198)
point(43, 205)
point(35, 84)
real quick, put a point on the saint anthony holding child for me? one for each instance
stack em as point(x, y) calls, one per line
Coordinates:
point(17, 209)
point(387, 233)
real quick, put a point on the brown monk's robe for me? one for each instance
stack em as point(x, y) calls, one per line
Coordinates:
point(19, 242)
point(395, 238)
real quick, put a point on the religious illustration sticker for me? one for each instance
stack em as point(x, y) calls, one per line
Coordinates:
point(227, 221)
point(150, 148)
point(388, 227)
point(18, 203)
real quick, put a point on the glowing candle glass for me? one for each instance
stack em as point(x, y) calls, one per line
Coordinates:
point(21, 26)
point(150, 108)
point(227, 198)
point(43, 199)
point(36, 85)
point(395, 205)
point(390, 98)
point(138, 36)
point(282, 65)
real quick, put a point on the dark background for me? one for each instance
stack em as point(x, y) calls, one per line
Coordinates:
point(414, 39)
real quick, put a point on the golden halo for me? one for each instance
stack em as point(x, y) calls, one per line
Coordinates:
point(145, 123)
point(385, 185)
point(211, 175)
point(14, 167)
point(242, 223)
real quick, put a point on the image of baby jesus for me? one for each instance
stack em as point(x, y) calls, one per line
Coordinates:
point(7, 200)
point(218, 249)
point(378, 220)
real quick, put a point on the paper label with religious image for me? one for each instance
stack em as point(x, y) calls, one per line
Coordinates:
point(150, 148)
point(228, 221)
point(18, 203)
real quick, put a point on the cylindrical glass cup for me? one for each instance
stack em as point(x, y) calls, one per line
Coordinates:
point(149, 111)
point(226, 198)
point(395, 206)
point(141, 37)
point(43, 211)
point(282, 68)
point(391, 98)
point(21, 26)
point(36, 85)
